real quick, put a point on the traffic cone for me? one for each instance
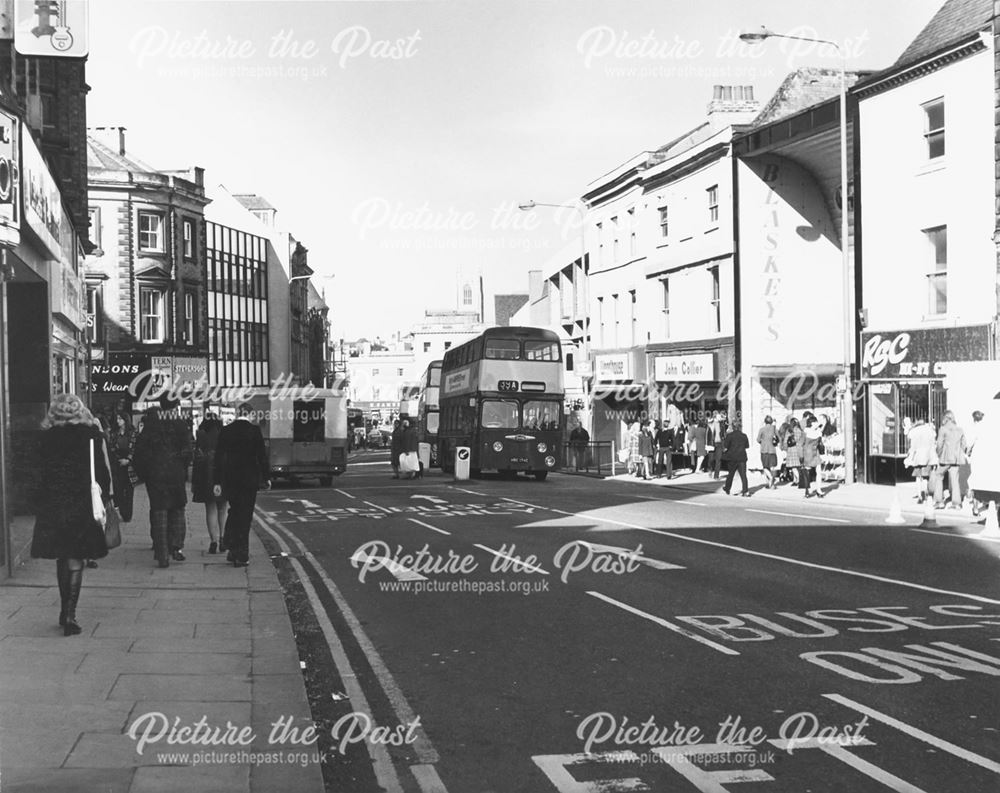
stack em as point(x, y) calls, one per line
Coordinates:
point(930, 516)
point(992, 528)
point(895, 511)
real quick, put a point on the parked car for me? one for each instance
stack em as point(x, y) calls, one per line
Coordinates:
point(378, 439)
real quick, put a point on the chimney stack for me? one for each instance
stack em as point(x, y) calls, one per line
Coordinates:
point(112, 137)
point(732, 104)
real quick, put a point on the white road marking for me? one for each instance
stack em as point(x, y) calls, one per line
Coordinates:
point(920, 735)
point(302, 501)
point(428, 779)
point(432, 499)
point(520, 562)
point(397, 570)
point(370, 504)
point(959, 536)
point(775, 557)
point(471, 492)
point(428, 526)
point(664, 623)
point(422, 746)
point(345, 493)
point(796, 515)
point(385, 771)
point(654, 563)
point(834, 749)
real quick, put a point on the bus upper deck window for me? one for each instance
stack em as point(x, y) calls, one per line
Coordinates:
point(541, 351)
point(503, 349)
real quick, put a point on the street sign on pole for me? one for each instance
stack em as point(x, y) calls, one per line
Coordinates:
point(51, 28)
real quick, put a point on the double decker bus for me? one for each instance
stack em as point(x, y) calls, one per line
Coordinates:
point(428, 413)
point(502, 396)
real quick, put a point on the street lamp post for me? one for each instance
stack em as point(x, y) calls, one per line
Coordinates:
point(848, 419)
point(580, 208)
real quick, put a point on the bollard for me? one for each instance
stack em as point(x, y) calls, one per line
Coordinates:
point(930, 516)
point(992, 524)
point(462, 463)
point(895, 511)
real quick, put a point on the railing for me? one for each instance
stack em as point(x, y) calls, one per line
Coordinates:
point(596, 459)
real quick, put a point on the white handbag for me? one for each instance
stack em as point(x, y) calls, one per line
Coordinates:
point(96, 498)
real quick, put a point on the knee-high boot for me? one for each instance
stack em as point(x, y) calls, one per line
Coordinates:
point(75, 581)
point(62, 576)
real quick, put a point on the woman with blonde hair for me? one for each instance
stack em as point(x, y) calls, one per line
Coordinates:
point(65, 529)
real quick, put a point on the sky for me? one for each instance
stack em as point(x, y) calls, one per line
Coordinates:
point(396, 137)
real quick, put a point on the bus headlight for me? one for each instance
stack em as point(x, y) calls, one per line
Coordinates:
point(550, 461)
point(497, 446)
point(542, 448)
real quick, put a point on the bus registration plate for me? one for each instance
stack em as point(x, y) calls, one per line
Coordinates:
point(507, 385)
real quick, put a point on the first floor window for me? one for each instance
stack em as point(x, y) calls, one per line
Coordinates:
point(150, 231)
point(151, 318)
point(664, 222)
point(715, 305)
point(188, 232)
point(934, 128)
point(937, 276)
point(189, 303)
point(666, 307)
point(713, 204)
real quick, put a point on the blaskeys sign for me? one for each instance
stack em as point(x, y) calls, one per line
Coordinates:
point(921, 352)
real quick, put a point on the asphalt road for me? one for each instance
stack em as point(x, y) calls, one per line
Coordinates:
point(588, 636)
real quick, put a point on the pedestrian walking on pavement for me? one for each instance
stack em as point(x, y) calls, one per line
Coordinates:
point(121, 447)
point(395, 448)
point(734, 451)
point(812, 460)
point(697, 443)
point(951, 455)
point(645, 452)
point(203, 480)
point(65, 529)
point(162, 457)
point(664, 450)
point(717, 428)
point(241, 469)
point(921, 456)
point(793, 449)
point(634, 457)
point(965, 471)
point(579, 440)
point(767, 439)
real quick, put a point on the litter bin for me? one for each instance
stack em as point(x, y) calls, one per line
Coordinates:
point(424, 452)
point(462, 456)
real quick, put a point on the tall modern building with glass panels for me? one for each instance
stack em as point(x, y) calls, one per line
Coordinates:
point(237, 307)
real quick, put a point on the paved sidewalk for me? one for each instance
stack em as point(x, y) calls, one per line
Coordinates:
point(871, 498)
point(198, 639)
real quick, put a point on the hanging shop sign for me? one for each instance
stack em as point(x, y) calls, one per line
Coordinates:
point(42, 201)
point(51, 28)
point(922, 352)
point(10, 181)
point(115, 374)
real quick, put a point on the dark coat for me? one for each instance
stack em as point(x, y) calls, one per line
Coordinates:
point(396, 443)
point(240, 458)
point(579, 437)
point(162, 457)
point(665, 438)
point(203, 470)
point(645, 444)
point(409, 441)
point(64, 524)
point(734, 447)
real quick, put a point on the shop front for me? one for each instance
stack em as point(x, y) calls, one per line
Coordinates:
point(693, 380)
point(904, 378)
point(620, 396)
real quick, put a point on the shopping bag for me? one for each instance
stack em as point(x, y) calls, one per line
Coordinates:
point(112, 527)
point(409, 463)
point(96, 497)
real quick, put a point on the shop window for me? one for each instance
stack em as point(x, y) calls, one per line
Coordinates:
point(151, 232)
point(894, 407)
point(934, 128)
point(937, 277)
point(152, 301)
